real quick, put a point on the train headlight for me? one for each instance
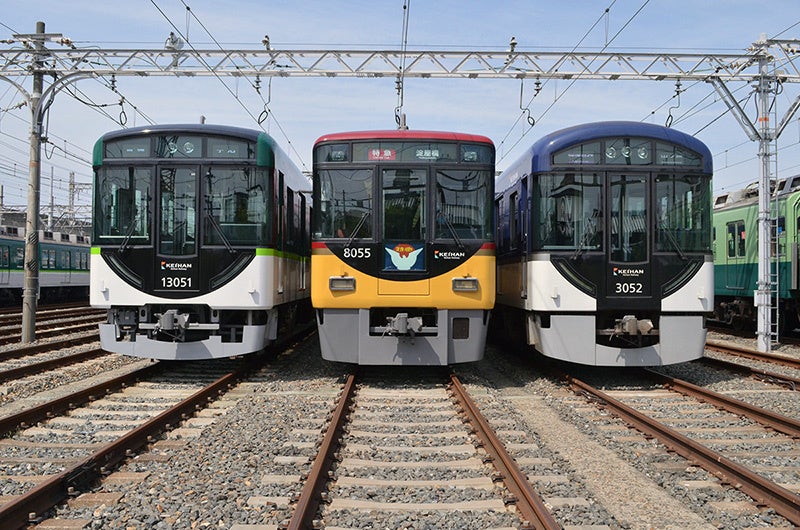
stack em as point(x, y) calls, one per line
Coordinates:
point(342, 283)
point(465, 284)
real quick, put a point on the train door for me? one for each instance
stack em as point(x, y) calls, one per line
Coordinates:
point(5, 264)
point(523, 242)
point(404, 219)
point(177, 266)
point(66, 265)
point(736, 269)
point(281, 210)
point(629, 281)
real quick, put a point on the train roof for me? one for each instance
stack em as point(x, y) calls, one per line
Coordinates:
point(191, 128)
point(403, 134)
point(272, 148)
point(541, 150)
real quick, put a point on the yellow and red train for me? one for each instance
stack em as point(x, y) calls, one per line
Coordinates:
point(403, 252)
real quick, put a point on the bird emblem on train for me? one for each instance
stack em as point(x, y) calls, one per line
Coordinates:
point(404, 257)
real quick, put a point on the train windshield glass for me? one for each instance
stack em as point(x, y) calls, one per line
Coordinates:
point(683, 213)
point(404, 204)
point(628, 218)
point(568, 212)
point(236, 207)
point(122, 204)
point(178, 227)
point(463, 205)
point(343, 202)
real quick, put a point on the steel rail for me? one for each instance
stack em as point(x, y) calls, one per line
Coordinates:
point(17, 513)
point(310, 496)
point(532, 509)
point(53, 332)
point(753, 354)
point(48, 316)
point(33, 349)
point(773, 420)
point(783, 501)
point(49, 327)
point(792, 383)
point(35, 368)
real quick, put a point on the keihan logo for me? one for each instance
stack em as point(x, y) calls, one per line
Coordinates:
point(437, 254)
point(628, 273)
point(166, 266)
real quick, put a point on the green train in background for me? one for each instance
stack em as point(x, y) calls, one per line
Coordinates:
point(63, 266)
point(736, 253)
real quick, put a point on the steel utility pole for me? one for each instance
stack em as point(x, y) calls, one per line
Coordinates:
point(763, 293)
point(766, 86)
point(30, 291)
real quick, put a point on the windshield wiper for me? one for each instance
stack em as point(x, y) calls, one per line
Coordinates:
point(672, 240)
point(218, 229)
point(585, 237)
point(124, 245)
point(352, 235)
point(452, 230)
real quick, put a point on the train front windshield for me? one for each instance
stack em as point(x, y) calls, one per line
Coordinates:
point(571, 209)
point(180, 193)
point(434, 196)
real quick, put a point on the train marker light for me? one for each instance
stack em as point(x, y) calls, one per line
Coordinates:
point(342, 283)
point(465, 284)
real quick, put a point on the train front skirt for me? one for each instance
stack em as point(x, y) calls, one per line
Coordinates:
point(574, 338)
point(346, 336)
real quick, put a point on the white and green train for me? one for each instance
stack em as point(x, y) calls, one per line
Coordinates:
point(200, 245)
point(63, 266)
point(736, 253)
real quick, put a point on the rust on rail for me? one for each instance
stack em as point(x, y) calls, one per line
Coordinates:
point(783, 501)
point(310, 495)
point(531, 507)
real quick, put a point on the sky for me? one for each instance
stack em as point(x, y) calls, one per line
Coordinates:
point(303, 109)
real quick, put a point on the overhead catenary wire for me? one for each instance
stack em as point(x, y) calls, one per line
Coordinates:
point(189, 12)
point(607, 44)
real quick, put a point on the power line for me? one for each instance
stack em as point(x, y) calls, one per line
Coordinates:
point(575, 80)
point(230, 91)
point(585, 35)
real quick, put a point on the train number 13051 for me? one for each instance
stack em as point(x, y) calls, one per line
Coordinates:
point(628, 288)
point(172, 282)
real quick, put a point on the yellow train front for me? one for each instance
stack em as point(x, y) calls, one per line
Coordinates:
point(403, 254)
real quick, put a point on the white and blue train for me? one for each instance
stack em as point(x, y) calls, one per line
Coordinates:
point(604, 245)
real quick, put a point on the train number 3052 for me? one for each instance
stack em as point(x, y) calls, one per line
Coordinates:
point(628, 288)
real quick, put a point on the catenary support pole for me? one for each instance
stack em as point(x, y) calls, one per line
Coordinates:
point(763, 295)
point(31, 281)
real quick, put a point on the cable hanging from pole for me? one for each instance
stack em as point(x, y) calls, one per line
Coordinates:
point(677, 95)
point(399, 116)
point(526, 109)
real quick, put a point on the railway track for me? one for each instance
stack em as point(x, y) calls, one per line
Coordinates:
point(407, 454)
point(60, 449)
point(415, 429)
point(701, 426)
point(75, 322)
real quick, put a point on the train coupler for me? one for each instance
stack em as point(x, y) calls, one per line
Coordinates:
point(402, 324)
point(630, 325)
